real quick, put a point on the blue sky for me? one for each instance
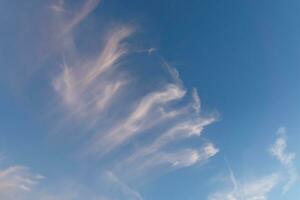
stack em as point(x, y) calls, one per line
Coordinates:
point(158, 100)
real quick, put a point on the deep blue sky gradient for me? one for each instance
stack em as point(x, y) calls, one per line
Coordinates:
point(242, 56)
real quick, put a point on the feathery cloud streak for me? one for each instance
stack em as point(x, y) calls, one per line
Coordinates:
point(73, 18)
point(278, 150)
point(17, 181)
point(93, 91)
point(89, 87)
point(261, 187)
point(84, 88)
point(253, 190)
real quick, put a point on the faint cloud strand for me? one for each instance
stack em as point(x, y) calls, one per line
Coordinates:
point(89, 87)
point(278, 150)
point(83, 88)
point(77, 16)
point(257, 189)
point(17, 180)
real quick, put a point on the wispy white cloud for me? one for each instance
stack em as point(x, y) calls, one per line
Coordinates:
point(257, 189)
point(73, 18)
point(278, 150)
point(64, 22)
point(59, 7)
point(17, 180)
point(144, 116)
point(180, 131)
point(128, 192)
point(179, 159)
point(197, 102)
point(89, 87)
point(85, 10)
point(84, 88)
point(92, 88)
